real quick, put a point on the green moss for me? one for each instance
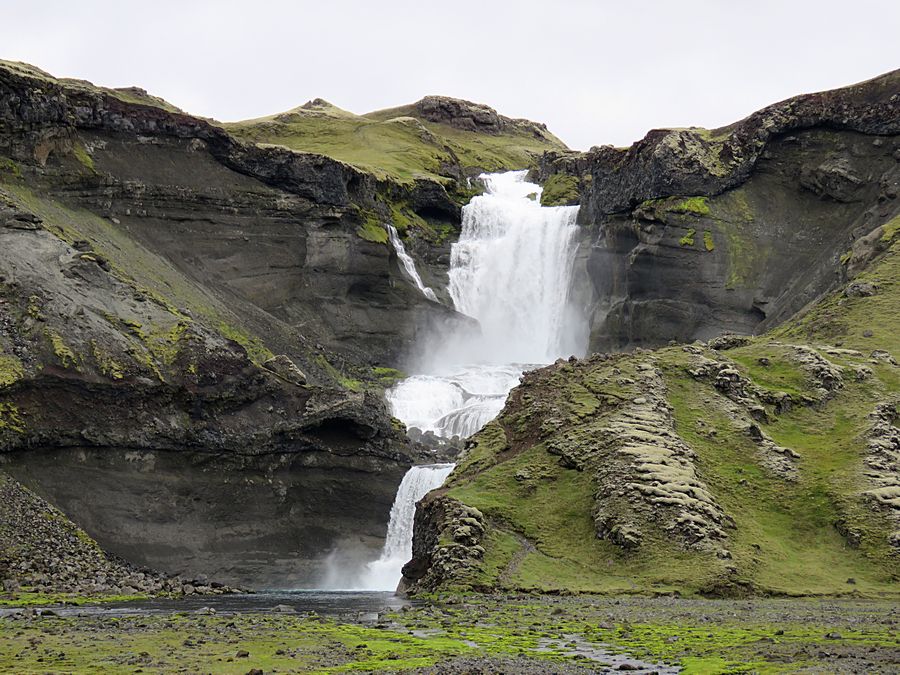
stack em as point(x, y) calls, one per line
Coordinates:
point(890, 229)
point(427, 635)
point(256, 348)
point(34, 307)
point(387, 377)
point(36, 599)
point(11, 370)
point(560, 190)
point(688, 238)
point(708, 241)
point(335, 374)
point(10, 167)
point(372, 230)
point(64, 355)
point(10, 418)
point(698, 206)
point(81, 154)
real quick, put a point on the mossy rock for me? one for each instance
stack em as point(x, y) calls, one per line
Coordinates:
point(560, 190)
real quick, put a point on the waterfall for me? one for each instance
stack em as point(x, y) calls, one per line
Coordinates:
point(409, 265)
point(384, 573)
point(511, 270)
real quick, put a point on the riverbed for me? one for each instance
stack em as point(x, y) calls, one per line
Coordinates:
point(455, 634)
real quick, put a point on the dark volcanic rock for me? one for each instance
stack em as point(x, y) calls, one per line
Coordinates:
point(472, 116)
point(690, 233)
point(271, 232)
point(149, 265)
point(700, 162)
point(43, 551)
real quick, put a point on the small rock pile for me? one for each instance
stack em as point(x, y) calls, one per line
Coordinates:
point(43, 551)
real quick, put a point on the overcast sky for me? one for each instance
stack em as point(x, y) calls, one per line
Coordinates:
point(596, 72)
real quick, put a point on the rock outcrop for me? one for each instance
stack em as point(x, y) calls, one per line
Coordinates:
point(42, 551)
point(690, 233)
point(882, 464)
point(470, 116)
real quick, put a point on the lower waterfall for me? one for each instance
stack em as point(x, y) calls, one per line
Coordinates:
point(384, 573)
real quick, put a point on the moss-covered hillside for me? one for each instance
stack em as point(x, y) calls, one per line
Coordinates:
point(742, 465)
point(436, 138)
point(134, 95)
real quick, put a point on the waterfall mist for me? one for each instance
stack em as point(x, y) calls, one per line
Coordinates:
point(384, 573)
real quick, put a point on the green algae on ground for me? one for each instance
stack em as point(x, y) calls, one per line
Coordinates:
point(775, 636)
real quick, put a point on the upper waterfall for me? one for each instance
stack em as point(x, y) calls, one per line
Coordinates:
point(512, 271)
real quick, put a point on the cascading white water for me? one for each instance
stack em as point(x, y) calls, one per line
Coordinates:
point(383, 574)
point(409, 266)
point(511, 269)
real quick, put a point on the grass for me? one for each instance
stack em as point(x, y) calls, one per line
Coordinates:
point(398, 147)
point(784, 540)
point(789, 536)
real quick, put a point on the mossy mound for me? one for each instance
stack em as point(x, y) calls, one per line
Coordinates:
point(560, 190)
point(740, 466)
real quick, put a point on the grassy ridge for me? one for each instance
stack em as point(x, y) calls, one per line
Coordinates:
point(817, 534)
point(396, 146)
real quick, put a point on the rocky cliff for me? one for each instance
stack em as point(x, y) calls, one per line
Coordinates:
point(724, 464)
point(692, 232)
point(195, 330)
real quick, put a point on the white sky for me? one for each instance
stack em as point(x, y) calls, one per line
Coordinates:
point(596, 72)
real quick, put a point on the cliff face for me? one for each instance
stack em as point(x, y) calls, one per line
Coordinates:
point(732, 465)
point(290, 243)
point(689, 233)
point(151, 266)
